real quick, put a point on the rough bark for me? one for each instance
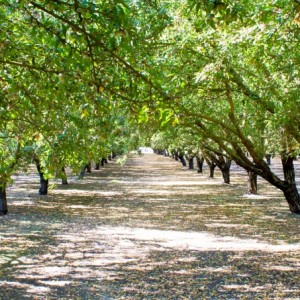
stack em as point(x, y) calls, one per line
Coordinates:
point(252, 183)
point(103, 162)
point(226, 174)
point(3, 181)
point(200, 161)
point(191, 163)
point(83, 170)
point(211, 164)
point(64, 177)
point(174, 154)
point(290, 190)
point(212, 167)
point(97, 167)
point(3, 200)
point(88, 167)
point(287, 186)
point(43, 189)
point(268, 159)
point(182, 160)
point(224, 164)
point(255, 163)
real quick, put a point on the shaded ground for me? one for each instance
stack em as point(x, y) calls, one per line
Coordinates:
point(149, 230)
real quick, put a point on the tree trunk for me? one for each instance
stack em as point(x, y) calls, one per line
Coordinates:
point(64, 177)
point(191, 163)
point(82, 172)
point(182, 160)
point(226, 174)
point(200, 161)
point(210, 160)
point(290, 189)
point(252, 183)
point(224, 165)
point(268, 158)
point(293, 198)
point(175, 155)
point(287, 186)
point(103, 162)
point(88, 167)
point(43, 190)
point(212, 167)
point(3, 200)
point(97, 165)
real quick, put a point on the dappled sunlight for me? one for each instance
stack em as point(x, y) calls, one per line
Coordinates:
point(257, 197)
point(101, 253)
point(148, 228)
point(29, 288)
point(192, 240)
point(23, 203)
point(80, 192)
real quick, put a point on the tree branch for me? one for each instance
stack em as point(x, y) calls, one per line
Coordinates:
point(30, 67)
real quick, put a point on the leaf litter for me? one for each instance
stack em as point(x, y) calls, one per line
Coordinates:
point(149, 229)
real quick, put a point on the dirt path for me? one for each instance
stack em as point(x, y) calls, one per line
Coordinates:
point(148, 230)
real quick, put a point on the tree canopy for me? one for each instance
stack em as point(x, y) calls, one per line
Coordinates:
point(80, 79)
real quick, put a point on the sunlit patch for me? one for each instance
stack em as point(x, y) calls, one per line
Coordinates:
point(154, 192)
point(217, 270)
point(23, 203)
point(187, 259)
point(216, 225)
point(48, 272)
point(246, 287)
point(184, 272)
point(176, 183)
point(4, 259)
point(283, 268)
point(145, 231)
point(76, 206)
point(253, 196)
point(14, 284)
point(59, 283)
point(79, 192)
point(82, 273)
point(31, 289)
point(26, 260)
point(193, 240)
point(120, 209)
point(38, 290)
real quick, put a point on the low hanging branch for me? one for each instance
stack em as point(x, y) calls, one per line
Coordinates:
point(97, 43)
point(30, 67)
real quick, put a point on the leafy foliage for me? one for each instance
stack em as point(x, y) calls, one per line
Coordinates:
point(77, 75)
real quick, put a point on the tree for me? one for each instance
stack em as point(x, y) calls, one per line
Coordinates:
point(237, 85)
point(226, 70)
point(70, 72)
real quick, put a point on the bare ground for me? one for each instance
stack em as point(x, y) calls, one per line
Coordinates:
point(149, 230)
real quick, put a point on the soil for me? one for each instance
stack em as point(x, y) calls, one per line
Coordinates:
point(149, 229)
